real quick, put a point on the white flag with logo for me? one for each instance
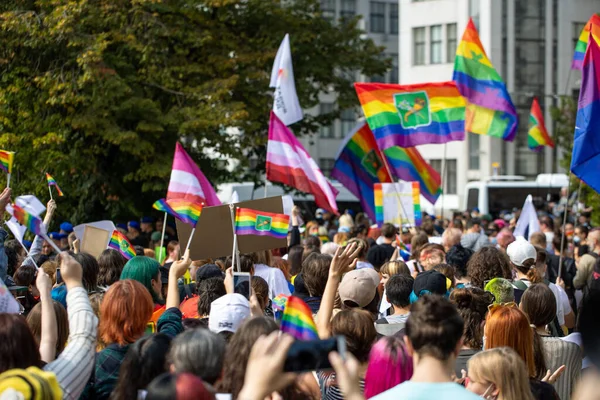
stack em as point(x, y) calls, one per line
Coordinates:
point(285, 104)
point(528, 222)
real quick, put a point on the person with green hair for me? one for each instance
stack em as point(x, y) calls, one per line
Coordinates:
point(502, 289)
point(146, 271)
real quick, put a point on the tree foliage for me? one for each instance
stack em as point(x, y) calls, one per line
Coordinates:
point(97, 92)
point(564, 118)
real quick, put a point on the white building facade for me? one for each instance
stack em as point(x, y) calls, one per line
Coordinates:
point(530, 43)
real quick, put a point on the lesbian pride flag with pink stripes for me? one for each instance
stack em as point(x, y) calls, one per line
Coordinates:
point(289, 163)
point(188, 182)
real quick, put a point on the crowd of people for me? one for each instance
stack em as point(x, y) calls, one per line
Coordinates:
point(453, 309)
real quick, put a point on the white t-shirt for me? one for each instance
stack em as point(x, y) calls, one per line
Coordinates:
point(427, 391)
point(275, 279)
point(364, 264)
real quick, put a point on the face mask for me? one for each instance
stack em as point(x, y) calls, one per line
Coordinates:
point(493, 240)
point(576, 239)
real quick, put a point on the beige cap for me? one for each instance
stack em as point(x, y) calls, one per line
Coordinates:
point(359, 286)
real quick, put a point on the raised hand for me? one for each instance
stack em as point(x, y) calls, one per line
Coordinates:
point(179, 267)
point(70, 270)
point(344, 260)
point(5, 199)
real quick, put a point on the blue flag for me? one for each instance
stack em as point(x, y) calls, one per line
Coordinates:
point(585, 162)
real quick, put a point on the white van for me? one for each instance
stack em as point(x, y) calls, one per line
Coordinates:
point(499, 193)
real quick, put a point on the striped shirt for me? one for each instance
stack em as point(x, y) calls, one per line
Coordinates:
point(74, 365)
point(558, 352)
point(330, 390)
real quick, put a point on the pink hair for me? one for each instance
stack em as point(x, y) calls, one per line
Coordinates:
point(389, 365)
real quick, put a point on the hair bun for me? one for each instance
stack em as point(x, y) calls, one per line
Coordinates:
point(463, 298)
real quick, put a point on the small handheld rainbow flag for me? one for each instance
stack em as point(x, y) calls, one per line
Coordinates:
point(31, 222)
point(279, 302)
point(6, 161)
point(591, 28)
point(537, 136)
point(260, 223)
point(185, 210)
point(52, 182)
point(161, 205)
point(297, 320)
point(119, 242)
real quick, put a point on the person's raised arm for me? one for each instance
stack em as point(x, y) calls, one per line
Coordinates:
point(49, 334)
point(295, 232)
point(176, 271)
point(343, 261)
point(74, 365)
point(4, 200)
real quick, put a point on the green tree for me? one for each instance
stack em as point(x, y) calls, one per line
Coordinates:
point(564, 118)
point(97, 92)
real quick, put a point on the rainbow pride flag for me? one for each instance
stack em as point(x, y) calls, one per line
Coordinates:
point(6, 161)
point(537, 136)
point(30, 221)
point(297, 320)
point(161, 205)
point(119, 242)
point(52, 182)
point(416, 209)
point(410, 115)
point(186, 211)
point(592, 27)
point(408, 165)
point(490, 110)
point(359, 165)
point(260, 223)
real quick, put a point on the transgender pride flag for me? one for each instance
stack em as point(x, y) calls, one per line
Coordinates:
point(289, 163)
point(188, 182)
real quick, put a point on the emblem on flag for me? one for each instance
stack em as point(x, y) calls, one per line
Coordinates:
point(413, 108)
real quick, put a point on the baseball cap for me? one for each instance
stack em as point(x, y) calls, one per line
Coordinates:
point(155, 237)
point(134, 224)
point(31, 384)
point(56, 236)
point(430, 282)
point(319, 213)
point(228, 312)
point(66, 227)
point(519, 251)
point(147, 220)
point(359, 286)
point(208, 271)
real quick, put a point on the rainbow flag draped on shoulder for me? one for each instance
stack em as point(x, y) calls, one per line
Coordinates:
point(359, 165)
point(411, 115)
point(261, 223)
point(490, 110)
point(592, 26)
point(537, 136)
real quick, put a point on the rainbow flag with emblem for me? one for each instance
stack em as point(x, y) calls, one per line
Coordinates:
point(260, 223)
point(359, 165)
point(408, 165)
point(6, 161)
point(411, 115)
point(490, 110)
point(297, 320)
point(52, 182)
point(537, 136)
point(119, 242)
point(184, 210)
point(592, 27)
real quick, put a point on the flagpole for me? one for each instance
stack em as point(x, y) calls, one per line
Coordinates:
point(162, 237)
point(443, 183)
point(576, 204)
point(190, 239)
point(389, 171)
point(235, 259)
point(562, 237)
point(8, 180)
point(50, 190)
point(28, 256)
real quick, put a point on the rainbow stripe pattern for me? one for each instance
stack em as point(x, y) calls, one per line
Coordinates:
point(186, 211)
point(260, 223)
point(490, 110)
point(416, 200)
point(378, 194)
point(6, 161)
point(30, 221)
point(408, 165)
point(119, 242)
point(279, 302)
point(297, 320)
point(410, 115)
point(52, 182)
point(537, 136)
point(359, 165)
point(592, 27)
point(161, 205)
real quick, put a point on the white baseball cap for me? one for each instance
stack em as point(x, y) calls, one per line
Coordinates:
point(519, 251)
point(228, 312)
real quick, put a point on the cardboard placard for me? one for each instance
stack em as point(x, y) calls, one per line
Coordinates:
point(214, 232)
point(94, 240)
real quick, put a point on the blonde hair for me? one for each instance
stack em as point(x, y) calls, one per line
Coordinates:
point(504, 368)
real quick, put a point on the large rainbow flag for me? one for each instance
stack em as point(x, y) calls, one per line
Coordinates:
point(585, 161)
point(260, 223)
point(185, 211)
point(490, 110)
point(410, 115)
point(537, 136)
point(592, 27)
point(408, 165)
point(359, 165)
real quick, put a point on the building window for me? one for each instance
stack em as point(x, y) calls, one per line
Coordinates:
point(418, 46)
point(348, 121)
point(577, 28)
point(474, 140)
point(435, 32)
point(328, 9)
point(394, 18)
point(348, 9)
point(451, 42)
point(327, 131)
point(377, 17)
point(326, 165)
point(451, 173)
point(394, 71)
